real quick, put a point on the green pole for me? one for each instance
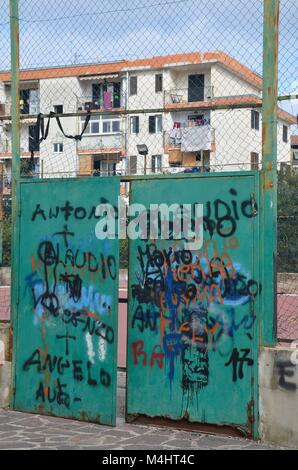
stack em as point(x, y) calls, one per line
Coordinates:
point(15, 169)
point(269, 171)
point(1, 213)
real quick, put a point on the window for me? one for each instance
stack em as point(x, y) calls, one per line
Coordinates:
point(25, 101)
point(285, 134)
point(158, 82)
point(133, 159)
point(156, 164)
point(174, 165)
point(96, 93)
point(58, 109)
point(29, 101)
point(155, 124)
point(133, 86)
point(94, 127)
point(134, 125)
point(295, 156)
point(58, 147)
point(255, 120)
point(101, 125)
point(104, 168)
point(33, 144)
point(254, 161)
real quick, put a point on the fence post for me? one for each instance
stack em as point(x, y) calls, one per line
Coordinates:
point(269, 171)
point(1, 213)
point(15, 165)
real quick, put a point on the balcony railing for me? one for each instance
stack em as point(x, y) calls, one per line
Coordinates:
point(107, 102)
point(102, 142)
point(182, 96)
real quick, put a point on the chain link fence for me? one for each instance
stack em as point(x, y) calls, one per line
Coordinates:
point(287, 196)
point(149, 87)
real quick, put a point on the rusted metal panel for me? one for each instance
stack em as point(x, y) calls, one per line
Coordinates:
point(193, 314)
point(67, 301)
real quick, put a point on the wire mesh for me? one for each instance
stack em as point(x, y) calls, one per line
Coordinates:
point(287, 222)
point(182, 77)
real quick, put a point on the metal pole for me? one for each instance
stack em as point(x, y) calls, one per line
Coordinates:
point(269, 170)
point(1, 213)
point(15, 175)
point(287, 97)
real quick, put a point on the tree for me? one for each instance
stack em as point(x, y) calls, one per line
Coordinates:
point(6, 240)
point(287, 221)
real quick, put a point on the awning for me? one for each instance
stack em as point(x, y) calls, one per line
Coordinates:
point(99, 77)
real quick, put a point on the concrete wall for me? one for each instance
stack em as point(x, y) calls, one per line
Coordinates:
point(146, 97)
point(278, 376)
point(235, 140)
point(226, 83)
point(5, 274)
point(60, 91)
point(5, 364)
point(5, 378)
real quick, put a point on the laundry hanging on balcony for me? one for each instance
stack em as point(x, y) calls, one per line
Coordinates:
point(107, 99)
point(195, 138)
point(175, 135)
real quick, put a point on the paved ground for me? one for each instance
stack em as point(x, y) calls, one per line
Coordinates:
point(27, 431)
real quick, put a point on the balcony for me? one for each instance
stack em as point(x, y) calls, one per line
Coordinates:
point(189, 145)
point(97, 144)
point(109, 102)
point(190, 139)
point(188, 97)
point(30, 108)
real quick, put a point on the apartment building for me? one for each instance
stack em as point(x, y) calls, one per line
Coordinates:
point(193, 111)
point(294, 152)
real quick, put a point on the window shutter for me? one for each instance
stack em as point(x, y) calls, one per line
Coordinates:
point(133, 89)
point(158, 82)
point(252, 120)
point(153, 164)
point(133, 164)
point(257, 120)
point(285, 133)
point(152, 124)
point(137, 124)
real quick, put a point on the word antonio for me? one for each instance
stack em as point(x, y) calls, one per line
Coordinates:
point(160, 221)
point(135, 221)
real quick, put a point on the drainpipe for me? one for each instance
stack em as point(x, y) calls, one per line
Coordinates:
point(269, 172)
point(127, 125)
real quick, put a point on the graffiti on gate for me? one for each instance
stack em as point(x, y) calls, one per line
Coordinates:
point(66, 284)
point(191, 301)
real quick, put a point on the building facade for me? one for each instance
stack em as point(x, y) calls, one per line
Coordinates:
point(194, 112)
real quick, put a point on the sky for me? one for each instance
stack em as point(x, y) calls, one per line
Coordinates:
point(60, 32)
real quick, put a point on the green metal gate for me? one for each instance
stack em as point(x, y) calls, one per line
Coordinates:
point(193, 315)
point(65, 329)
